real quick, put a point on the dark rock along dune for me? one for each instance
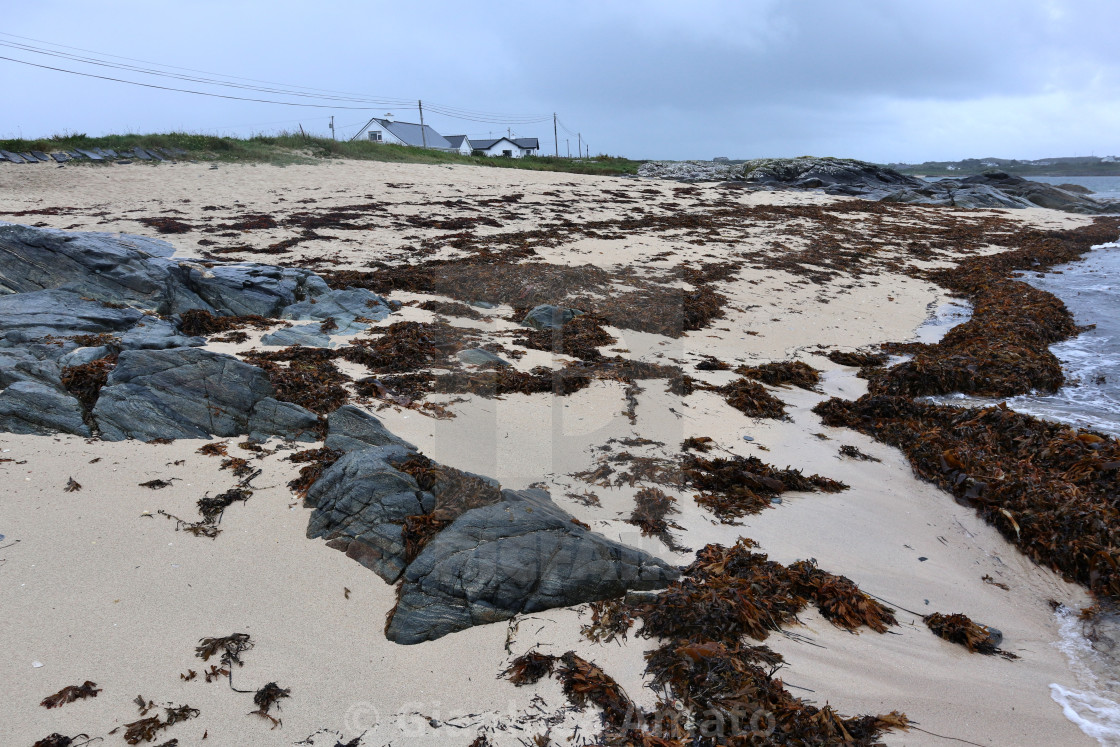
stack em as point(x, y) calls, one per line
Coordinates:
point(81, 298)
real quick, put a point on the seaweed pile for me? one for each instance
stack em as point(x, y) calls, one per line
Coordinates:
point(1003, 349)
point(309, 380)
point(752, 399)
point(201, 322)
point(960, 629)
point(858, 360)
point(1048, 488)
point(85, 382)
point(783, 373)
point(712, 688)
point(580, 338)
point(735, 487)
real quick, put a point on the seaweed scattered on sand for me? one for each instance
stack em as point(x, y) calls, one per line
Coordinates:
point(854, 453)
point(406, 346)
point(166, 225)
point(580, 338)
point(210, 510)
point(266, 697)
point(70, 693)
point(72, 486)
point(651, 506)
point(711, 363)
point(1048, 488)
point(712, 689)
point(783, 373)
point(752, 399)
point(960, 629)
point(147, 729)
point(736, 486)
point(61, 740)
point(702, 444)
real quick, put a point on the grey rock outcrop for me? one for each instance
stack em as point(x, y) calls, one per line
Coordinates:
point(32, 407)
point(523, 554)
point(547, 316)
point(516, 552)
point(58, 313)
point(361, 503)
point(307, 335)
point(180, 393)
point(480, 357)
point(350, 428)
point(140, 272)
point(845, 176)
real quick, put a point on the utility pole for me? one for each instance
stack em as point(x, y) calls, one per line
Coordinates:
point(579, 145)
point(333, 136)
point(555, 139)
point(568, 145)
point(423, 134)
point(509, 133)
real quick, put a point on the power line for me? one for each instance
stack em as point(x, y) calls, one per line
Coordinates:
point(184, 90)
point(287, 90)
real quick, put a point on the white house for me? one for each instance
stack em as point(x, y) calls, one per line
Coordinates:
point(459, 143)
point(511, 148)
point(403, 133)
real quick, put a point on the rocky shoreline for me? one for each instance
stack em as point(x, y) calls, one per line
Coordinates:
point(851, 178)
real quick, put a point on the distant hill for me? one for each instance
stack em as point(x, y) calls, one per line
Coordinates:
point(1065, 166)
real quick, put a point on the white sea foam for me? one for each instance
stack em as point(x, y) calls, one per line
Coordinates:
point(1095, 705)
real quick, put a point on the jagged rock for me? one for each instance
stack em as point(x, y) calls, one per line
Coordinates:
point(153, 333)
point(345, 307)
point(845, 176)
point(178, 393)
point(361, 502)
point(271, 417)
point(140, 272)
point(480, 357)
point(547, 316)
point(524, 554)
point(29, 316)
point(350, 427)
point(17, 364)
point(36, 408)
point(102, 265)
point(307, 335)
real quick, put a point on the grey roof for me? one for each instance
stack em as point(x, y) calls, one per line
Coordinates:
point(484, 144)
point(411, 134)
point(520, 142)
point(455, 140)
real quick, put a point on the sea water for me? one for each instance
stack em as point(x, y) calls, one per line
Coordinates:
point(1090, 289)
point(1092, 649)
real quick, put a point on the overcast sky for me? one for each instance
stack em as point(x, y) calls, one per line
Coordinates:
point(881, 80)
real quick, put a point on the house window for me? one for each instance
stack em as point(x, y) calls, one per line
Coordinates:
point(507, 153)
point(375, 135)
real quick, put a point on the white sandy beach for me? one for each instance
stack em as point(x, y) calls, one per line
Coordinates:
point(96, 585)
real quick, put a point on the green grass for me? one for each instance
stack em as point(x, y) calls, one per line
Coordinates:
point(287, 148)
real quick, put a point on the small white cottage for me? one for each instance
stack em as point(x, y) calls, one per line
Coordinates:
point(510, 148)
point(403, 133)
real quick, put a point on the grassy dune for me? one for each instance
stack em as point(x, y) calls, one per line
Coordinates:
point(288, 148)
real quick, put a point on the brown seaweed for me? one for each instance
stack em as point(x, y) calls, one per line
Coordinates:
point(736, 486)
point(960, 629)
point(783, 373)
point(752, 399)
point(70, 693)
